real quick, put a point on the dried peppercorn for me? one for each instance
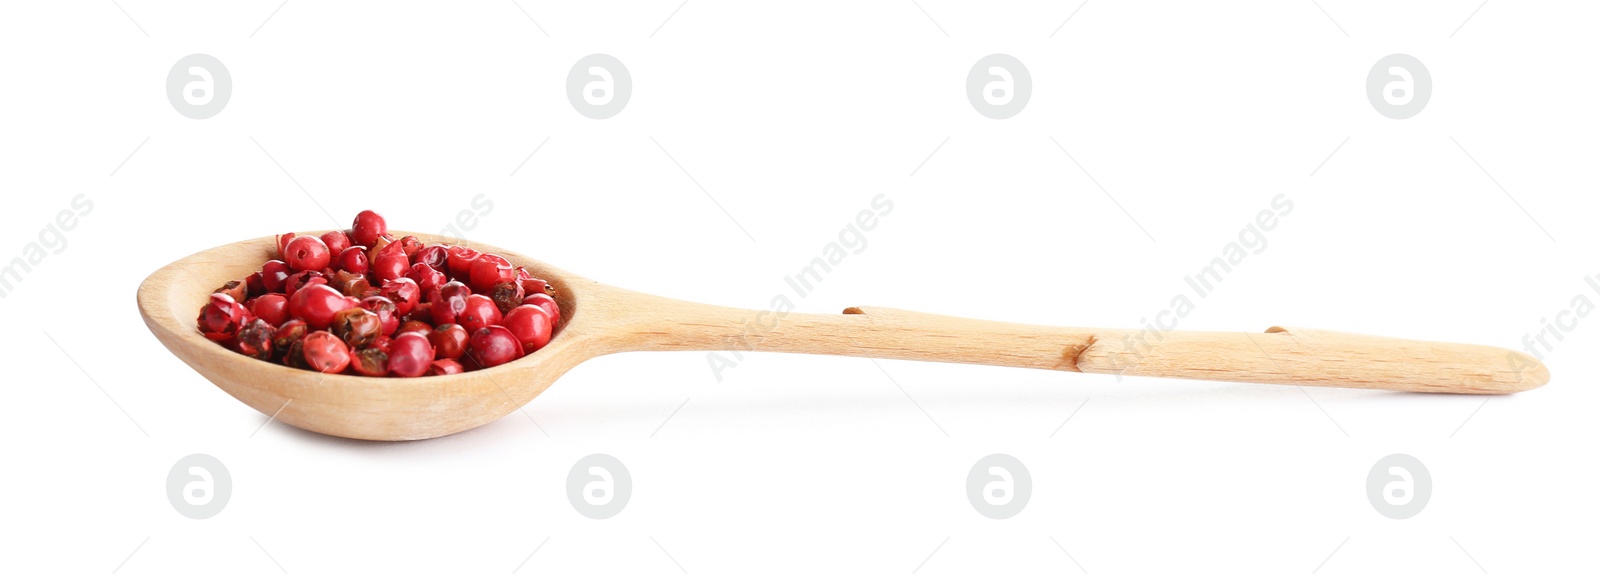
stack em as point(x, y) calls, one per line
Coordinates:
point(372, 362)
point(222, 317)
point(324, 352)
point(361, 302)
point(410, 354)
point(256, 340)
point(355, 326)
point(506, 296)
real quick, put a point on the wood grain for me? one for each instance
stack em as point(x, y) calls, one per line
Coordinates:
point(598, 319)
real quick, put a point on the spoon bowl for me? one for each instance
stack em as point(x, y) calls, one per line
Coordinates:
point(598, 319)
point(352, 406)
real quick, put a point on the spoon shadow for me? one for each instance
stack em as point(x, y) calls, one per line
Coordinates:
point(501, 432)
point(636, 419)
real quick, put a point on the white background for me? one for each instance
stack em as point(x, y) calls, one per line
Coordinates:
point(1192, 116)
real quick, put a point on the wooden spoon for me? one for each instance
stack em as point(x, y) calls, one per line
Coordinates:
point(599, 319)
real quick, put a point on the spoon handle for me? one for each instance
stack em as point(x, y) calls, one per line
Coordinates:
point(1279, 355)
point(1298, 356)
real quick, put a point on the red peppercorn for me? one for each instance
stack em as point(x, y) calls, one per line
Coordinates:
point(490, 270)
point(274, 274)
point(289, 333)
point(302, 279)
point(410, 355)
point(367, 228)
point(422, 313)
point(389, 265)
point(272, 308)
point(370, 362)
point(449, 341)
point(410, 245)
point(381, 343)
point(530, 324)
point(336, 241)
point(255, 340)
point(296, 355)
point(548, 303)
point(506, 296)
point(449, 301)
point(492, 346)
point(460, 261)
point(426, 277)
point(307, 253)
point(317, 304)
point(354, 259)
point(351, 284)
point(283, 244)
point(355, 326)
point(404, 292)
point(435, 256)
point(324, 352)
point(385, 310)
point(445, 367)
point(533, 286)
point(222, 317)
point(491, 341)
point(417, 326)
point(478, 313)
point(254, 286)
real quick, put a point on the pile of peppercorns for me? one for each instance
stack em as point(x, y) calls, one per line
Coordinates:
point(361, 302)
